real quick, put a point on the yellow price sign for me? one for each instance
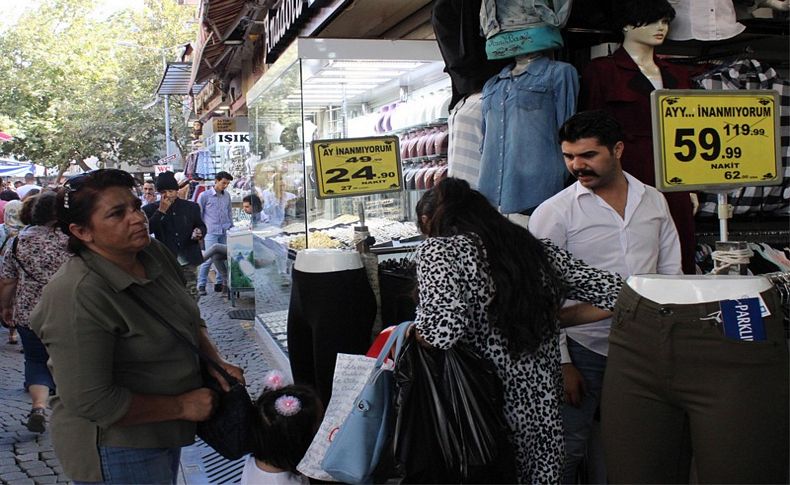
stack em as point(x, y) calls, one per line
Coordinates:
point(715, 139)
point(357, 166)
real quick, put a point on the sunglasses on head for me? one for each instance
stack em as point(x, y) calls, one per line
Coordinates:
point(75, 183)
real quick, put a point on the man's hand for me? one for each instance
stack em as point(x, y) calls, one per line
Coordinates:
point(197, 405)
point(197, 234)
point(167, 199)
point(573, 383)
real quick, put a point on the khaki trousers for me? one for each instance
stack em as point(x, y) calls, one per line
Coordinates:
point(672, 376)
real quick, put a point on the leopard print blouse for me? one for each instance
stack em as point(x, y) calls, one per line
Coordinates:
point(455, 289)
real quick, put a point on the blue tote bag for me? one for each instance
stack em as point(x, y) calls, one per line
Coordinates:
point(356, 448)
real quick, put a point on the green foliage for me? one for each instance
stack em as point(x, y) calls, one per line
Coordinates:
point(71, 91)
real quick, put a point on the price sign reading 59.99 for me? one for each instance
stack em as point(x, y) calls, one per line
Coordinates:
point(357, 166)
point(715, 139)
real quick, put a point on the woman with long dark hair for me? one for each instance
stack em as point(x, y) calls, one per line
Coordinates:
point(489, 283)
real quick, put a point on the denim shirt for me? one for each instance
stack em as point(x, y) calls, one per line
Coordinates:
point(521, 163)
point(508, 15)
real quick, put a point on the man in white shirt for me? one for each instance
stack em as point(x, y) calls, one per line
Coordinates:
point(30, 184)
point(149, 192)
point(614, 222)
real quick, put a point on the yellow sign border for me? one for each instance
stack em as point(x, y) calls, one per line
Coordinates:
point(661, 143)
point(319, 163)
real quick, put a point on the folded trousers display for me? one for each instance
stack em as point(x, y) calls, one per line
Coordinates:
point(329, 313)
point(672, 374)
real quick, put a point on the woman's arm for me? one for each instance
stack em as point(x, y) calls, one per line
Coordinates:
point(580, 314)
point(442, 309)
point(7, 293)
point(207, 346)
point(195, 405)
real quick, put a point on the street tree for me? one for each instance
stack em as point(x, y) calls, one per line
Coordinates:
point(75, 83)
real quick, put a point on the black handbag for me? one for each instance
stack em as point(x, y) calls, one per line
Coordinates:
point(229, 429)
point(450, 424)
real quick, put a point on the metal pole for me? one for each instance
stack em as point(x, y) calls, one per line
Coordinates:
point(167, 109)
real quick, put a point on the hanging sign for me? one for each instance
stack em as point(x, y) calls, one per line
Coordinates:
point(159, 169)
point(167, 159)
point(357, 166)
point(715, 139)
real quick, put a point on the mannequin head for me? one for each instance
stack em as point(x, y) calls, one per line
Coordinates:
point(632, 15)
point(651, 34)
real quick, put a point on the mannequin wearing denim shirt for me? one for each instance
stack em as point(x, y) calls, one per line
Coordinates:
point(521, 163)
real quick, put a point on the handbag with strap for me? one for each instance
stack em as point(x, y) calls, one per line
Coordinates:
point(229, 429)
point(354, 452)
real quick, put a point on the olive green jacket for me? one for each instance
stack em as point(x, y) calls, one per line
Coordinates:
point(103, 347)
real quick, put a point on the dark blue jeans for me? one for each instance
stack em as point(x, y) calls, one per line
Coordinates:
point(36, 356)
point(139, 465)
point(577, 422)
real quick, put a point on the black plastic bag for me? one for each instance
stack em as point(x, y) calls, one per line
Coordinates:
point(450, 425)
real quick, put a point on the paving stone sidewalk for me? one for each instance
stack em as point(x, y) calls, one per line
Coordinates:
point(28, 458)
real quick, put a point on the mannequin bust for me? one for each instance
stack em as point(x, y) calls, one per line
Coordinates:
point(523, 61)
point(639, 42)
point(273, 130)
point(621, 84)
point(326, 260)
point(678, 289)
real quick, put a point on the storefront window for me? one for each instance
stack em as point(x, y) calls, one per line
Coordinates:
point(332, 89)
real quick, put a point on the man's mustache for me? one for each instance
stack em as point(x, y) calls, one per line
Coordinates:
point(584, 173)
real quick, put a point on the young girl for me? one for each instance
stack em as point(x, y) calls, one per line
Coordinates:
point(289, 417)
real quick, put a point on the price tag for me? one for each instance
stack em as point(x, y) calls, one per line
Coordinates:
point(357, 166)
point(715, 139)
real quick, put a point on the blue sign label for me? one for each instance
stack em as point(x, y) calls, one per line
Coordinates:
point(742, 319)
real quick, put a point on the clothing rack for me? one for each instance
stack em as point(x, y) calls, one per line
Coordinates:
point(771, 237)
point(781, 281)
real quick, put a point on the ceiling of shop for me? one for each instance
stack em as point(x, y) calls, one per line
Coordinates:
point(383, 19)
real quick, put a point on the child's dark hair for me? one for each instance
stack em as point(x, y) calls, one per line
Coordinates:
point(281, 439)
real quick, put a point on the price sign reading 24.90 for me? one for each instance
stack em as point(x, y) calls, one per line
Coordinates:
point(357, 166)
point(715, 139)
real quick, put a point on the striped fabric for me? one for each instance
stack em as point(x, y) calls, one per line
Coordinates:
point(466, 137)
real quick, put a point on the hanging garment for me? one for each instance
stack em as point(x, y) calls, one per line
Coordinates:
point(751, 74)
point(456, 24)
point(466, 136)
point(704, 20)
point(521, 163)
point(204, 166)
point(615, 84)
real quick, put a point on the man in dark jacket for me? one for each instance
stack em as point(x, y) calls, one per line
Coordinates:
point(177, 223)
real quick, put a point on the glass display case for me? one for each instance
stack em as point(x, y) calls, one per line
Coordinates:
point(336, 89)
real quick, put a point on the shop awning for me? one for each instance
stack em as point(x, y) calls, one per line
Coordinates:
point(14, 168)
point(176, 79)
point(219, 19)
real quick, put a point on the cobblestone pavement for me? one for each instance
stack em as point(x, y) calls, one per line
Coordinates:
point(28, 458)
